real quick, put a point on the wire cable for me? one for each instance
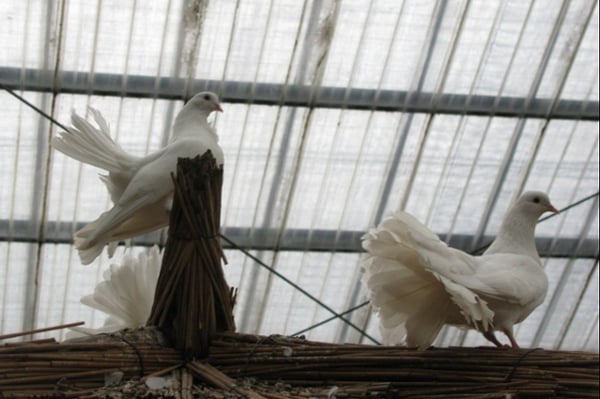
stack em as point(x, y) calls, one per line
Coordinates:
point(33, 107)
point(336, 315)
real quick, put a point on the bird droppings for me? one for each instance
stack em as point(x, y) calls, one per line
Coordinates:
point(155, 383)
point(113, 378)
point(287, 351)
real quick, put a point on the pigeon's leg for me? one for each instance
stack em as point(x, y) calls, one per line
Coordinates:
point(509, 334)
point(489, 335)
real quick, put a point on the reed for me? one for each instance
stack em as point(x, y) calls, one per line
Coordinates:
point(277, 367)
point(193, 300)
point(38, 367)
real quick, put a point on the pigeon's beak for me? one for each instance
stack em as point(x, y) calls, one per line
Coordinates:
point(218, 107)
point(552, 209)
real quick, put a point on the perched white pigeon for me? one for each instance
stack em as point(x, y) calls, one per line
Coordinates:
point(417, 283)
point(141, 188)
point(127, 292)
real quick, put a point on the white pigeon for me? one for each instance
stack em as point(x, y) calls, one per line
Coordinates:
point(141, 188)
point(418, 284)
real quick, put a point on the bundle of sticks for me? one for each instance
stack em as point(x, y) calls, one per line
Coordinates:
point(193, 300)
point(278, 367)
point(79, 367)
point(362, 370)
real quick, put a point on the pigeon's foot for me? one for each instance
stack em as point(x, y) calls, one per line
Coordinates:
point(511, 337)
point(489, 335)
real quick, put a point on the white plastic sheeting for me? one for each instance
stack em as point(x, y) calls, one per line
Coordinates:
point(336, 113)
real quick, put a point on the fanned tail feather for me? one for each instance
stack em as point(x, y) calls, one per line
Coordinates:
point(127, 292)
point(411, 308)
point(412, 299)
point(93, 146)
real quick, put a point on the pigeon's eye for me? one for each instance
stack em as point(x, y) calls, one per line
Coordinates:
point(206, 97)
point(536, 200)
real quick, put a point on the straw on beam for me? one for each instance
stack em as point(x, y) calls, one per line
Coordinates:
point(40, 330)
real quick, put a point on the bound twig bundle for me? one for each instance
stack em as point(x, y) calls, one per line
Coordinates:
point(359, 370)
point(79, 367)
point(192, 299)
point(278, 367)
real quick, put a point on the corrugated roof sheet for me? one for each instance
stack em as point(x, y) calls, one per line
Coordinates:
point(336, 114)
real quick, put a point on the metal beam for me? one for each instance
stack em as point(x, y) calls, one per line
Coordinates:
point(292, 240)
point(296, 95)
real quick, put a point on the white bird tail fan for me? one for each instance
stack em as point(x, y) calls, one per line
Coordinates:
point(94, 146)
point(127, 292)
point(406, 302)
point(410, 301)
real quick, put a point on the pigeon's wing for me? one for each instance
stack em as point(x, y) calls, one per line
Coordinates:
point(150, 218)
point(457, 272)
point(511, 278)
point(144, 191)
point(151, 186)
point(116, 183)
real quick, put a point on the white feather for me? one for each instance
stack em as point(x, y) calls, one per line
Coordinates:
point(127, 292)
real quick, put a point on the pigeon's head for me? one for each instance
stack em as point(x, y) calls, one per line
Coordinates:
point(206, 101)
point(536, 202)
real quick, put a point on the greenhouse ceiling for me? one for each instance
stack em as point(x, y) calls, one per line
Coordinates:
point(336, 113)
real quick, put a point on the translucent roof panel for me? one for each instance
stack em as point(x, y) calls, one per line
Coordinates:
point(336, 114)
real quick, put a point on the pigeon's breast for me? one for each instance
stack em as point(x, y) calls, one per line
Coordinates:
point(191, 148)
